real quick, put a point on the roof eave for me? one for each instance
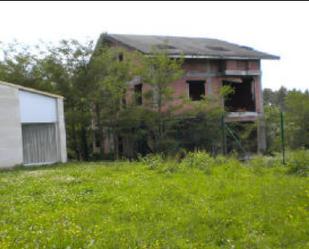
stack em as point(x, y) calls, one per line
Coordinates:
point(28, 89)
point(193, 56)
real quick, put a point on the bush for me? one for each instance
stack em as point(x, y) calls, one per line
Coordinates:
point(298, 163)
point(199, 160)
point(153, 161)
point(265, 161)
point(160, 163)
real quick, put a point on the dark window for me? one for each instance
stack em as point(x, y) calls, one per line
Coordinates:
point(196, 89)
point(243, 98)
point(138, 94)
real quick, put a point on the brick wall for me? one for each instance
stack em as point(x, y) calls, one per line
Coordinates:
point(210, 71)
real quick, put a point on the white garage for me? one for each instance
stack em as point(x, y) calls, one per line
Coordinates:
point(32, 128)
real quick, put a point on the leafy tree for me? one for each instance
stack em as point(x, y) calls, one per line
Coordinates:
point(275, 98)
point(295, 106)
point(111, 77)
point(66, 65)
point(22, 65)
point(272, 120)
point(158, 71)
point(297, 118)
point(269, 97)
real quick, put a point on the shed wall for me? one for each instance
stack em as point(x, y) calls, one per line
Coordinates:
point(37, 108)
point(10, 128)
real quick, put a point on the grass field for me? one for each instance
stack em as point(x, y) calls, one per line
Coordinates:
point(154, 205)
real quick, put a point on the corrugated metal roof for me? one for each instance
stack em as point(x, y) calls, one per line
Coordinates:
point(28, 89)
point(190, 47)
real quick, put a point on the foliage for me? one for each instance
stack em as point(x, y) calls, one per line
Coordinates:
point(201, 131)
point(245, 134)
point(146, 127)
point(198, 126)
point(159, 71)
point(260, 164)
point(153, 161)
point(22, 65)
point(297, 119)
point(67, 66)
point(199, 160)
point(127, 205)
point(298, 163)
point(110, 77)
point(275, 98)
point(272, 120)
point(295, 106)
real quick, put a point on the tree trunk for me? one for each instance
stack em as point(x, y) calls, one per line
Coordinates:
point(99, 128)
point(75, 142)
point(84, 144)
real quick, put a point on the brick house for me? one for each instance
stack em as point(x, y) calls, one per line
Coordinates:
point(209, 64)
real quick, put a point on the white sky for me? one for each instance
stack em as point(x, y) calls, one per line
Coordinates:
point(280, 28)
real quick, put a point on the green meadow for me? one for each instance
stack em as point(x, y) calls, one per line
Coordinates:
point(197, 202)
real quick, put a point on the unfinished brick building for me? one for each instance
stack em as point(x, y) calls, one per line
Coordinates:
point(209, 64)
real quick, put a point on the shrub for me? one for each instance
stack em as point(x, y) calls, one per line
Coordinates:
point(180, 155)
point(199, 160)
point(153, 161)
point(265, 161)
point(298, 163)
point(222, 160)
point(170, 166)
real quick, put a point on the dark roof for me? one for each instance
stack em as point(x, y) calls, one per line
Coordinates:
point(190, 47)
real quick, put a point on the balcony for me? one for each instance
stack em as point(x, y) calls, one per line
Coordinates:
point(241, 72)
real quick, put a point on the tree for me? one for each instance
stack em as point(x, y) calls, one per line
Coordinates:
point(275, 98)
point(67, 66)
point(111, 77)
point(159, 71)
point(21, 64)
point(272, 120)
point(295, 106)
point(297, 119)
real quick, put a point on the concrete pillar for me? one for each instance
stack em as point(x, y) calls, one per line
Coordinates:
point(261, 135)
point(261, 127)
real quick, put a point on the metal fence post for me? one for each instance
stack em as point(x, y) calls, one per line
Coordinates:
point(282, 137)
point(223, 136)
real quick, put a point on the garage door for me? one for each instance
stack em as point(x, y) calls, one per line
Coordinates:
point(39, 143)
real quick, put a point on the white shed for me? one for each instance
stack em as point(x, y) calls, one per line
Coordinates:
point(32, 127)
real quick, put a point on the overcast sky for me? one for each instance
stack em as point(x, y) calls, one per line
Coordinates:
point(279, 28)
